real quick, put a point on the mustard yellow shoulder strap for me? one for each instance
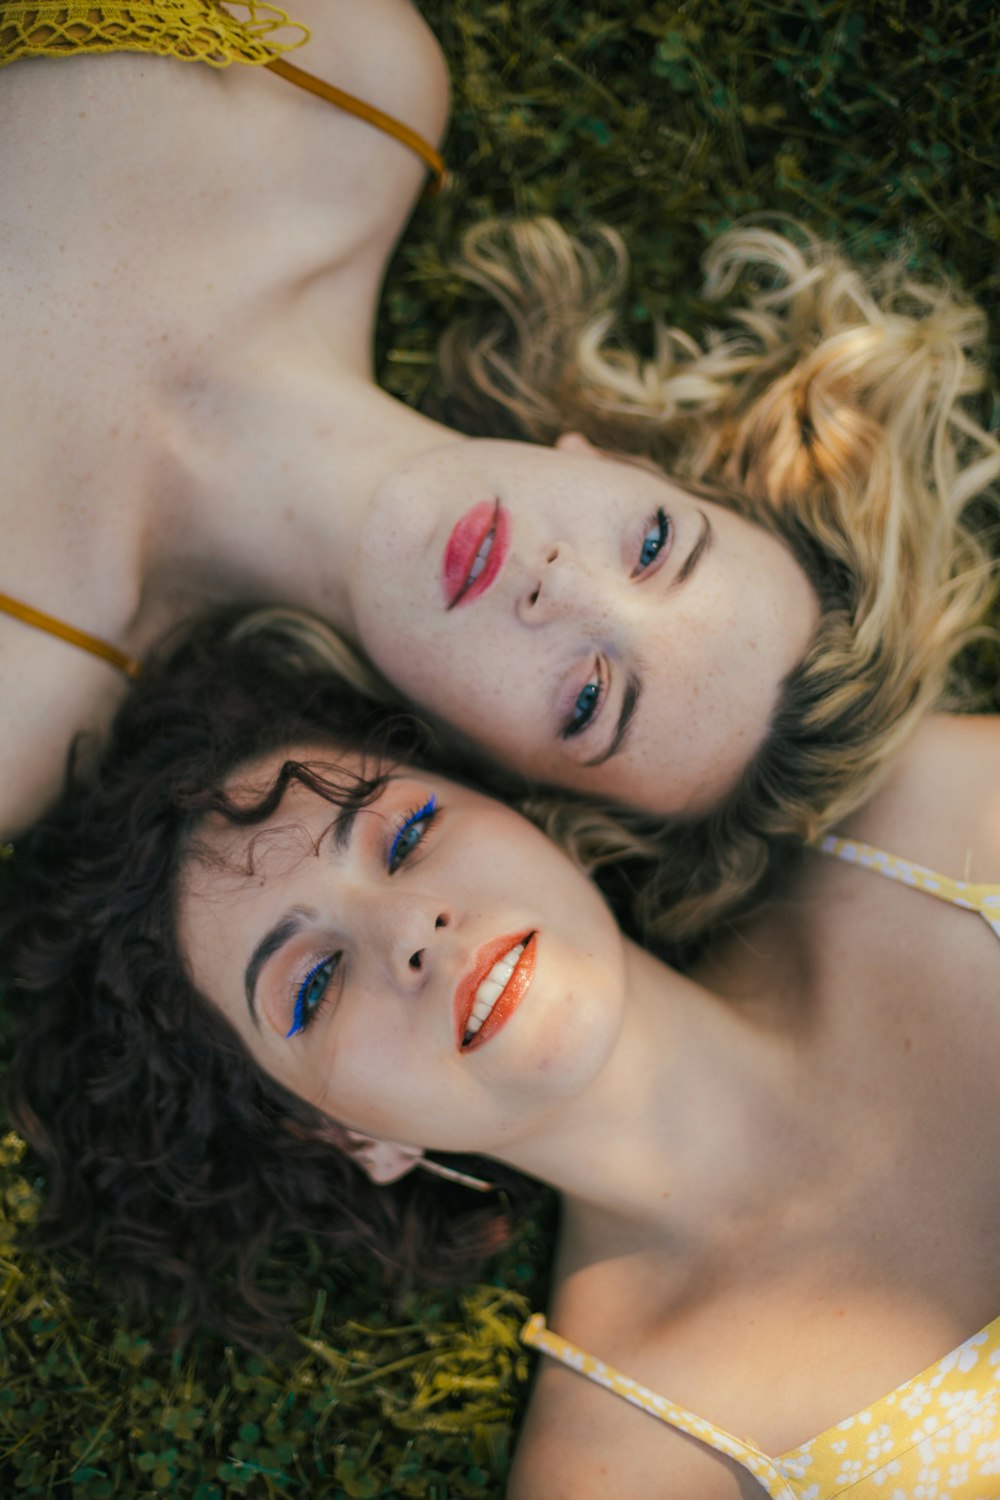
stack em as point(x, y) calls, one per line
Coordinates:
point(193, 31)
point(354, 106)
point(537, 1335)
point(80, 638)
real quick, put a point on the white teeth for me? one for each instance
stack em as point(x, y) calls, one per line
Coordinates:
point(479, 562)
point(491, 989)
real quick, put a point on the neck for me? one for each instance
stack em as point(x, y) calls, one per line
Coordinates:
point(268, 484)
point(688, 1132)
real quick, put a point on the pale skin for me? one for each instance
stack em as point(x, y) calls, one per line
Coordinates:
point(192, 265)
point(780, 1174)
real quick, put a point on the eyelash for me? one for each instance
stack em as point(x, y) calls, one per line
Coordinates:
point(573, 725)
point(302, 1018)
point(426, 814)
point(659, 522)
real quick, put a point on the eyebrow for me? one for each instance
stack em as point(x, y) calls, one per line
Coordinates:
point(694, 556)
point(630, 702)
point(281, 933)
point(291, 924)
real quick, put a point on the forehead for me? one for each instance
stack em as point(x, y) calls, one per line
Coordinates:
point(229, 869)
point(342, 766)
point(312, 786)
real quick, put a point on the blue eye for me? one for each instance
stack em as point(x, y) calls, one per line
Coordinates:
point(585, 707)
point(654, 541)
point(411, 833)
point(311, 994)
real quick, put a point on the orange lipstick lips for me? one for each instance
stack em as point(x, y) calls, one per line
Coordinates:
point(514, 988)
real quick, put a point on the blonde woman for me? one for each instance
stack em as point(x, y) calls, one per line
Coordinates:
point(740, 633)
point(270, 956)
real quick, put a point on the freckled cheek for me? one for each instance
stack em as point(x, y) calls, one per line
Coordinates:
point(488, 689)
point(396, 596)
point(692, 664)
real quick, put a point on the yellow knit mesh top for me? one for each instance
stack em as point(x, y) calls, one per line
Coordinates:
point(193, 30)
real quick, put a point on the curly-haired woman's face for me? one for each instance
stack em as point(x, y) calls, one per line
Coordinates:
point(581, 618)
point(429, 969)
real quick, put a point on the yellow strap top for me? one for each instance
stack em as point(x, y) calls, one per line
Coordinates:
point(973, 896)
point(765, 1470)
point(193, 31)
point(936, 1436)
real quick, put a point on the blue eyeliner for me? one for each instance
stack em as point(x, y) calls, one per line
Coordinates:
point(304, 1012)
point(300, 1018)
point(428, 810)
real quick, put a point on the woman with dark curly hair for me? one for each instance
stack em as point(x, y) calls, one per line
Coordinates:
point(729, 605)
point(270, 957)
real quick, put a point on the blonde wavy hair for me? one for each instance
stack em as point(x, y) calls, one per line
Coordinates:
point(836, 408)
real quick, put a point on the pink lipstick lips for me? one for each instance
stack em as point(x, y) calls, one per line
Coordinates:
point(489, 994)
point(475, 552)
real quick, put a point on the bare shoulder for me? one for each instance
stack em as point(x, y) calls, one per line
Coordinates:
point(155, 128)
point(580, 1442)
point(385, 49)
point(941, 805)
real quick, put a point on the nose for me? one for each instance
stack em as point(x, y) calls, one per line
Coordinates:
point(560, 585)
point(407, 932)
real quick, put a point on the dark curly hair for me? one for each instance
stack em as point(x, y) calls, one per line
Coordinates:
point(172, 1159)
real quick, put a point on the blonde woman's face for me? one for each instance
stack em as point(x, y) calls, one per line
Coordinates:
point(582, 618)
point(431, 969)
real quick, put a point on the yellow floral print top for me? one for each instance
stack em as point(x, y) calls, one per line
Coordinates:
point(985, 899)
point(937, 1437)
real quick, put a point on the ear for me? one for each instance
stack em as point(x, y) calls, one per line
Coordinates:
point(575, 442)
point(382, 1161)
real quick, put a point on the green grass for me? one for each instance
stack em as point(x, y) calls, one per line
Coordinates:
point(364, 1401)
point(872, 122)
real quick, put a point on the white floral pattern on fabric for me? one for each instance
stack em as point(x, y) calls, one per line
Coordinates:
point(985, 899)
point(936, 1437)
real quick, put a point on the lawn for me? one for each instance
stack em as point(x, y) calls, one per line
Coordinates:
point(874, 123)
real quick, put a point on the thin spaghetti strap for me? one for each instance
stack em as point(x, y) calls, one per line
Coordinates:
point(537, 1335)
point(38, 620)
point(354, 106)
point(972, 895)
point(192, 31)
